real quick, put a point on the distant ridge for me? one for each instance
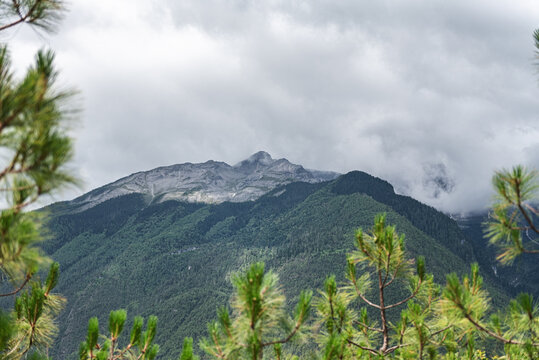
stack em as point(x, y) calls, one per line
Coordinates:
point(209, 182)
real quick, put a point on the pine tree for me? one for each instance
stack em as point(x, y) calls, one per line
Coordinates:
point(33, 136)
point(258, 321)
point(378, 263)
point(35, 149)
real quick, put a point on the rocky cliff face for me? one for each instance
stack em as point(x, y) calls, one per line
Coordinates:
point(209, 182)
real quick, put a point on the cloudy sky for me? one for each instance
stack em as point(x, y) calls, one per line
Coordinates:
point(430, 95)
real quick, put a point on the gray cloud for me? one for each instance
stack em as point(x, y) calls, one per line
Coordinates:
point(395, 88)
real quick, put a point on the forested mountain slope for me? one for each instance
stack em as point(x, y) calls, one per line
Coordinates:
point(174, 259)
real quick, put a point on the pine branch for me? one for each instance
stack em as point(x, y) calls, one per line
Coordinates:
point(528, 219)
point(496, 336)
point(372, 351)
point(368, 327)
point(393, 348)
point(408, 298)
point(22, 18)
point(354, 281)
point(28, 277)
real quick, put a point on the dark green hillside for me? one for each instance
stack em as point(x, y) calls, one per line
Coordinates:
point(424, 217)
point(175, 259)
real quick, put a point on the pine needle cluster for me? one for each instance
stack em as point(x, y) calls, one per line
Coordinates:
point(106, 347)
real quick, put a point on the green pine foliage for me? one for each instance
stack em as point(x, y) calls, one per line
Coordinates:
point(259, 319)
point(35, 150)
point(107, 347)
point(378, 262)
point(513, 228)
point(41, 14)
point(187, 350)
point(32, 132)
point(467, 305)
point(35, 312)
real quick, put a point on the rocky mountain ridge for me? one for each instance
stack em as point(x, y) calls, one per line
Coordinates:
point(209, 182)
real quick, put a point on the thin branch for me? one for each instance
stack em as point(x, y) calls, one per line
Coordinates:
point(18, 207)
point(494, 335)
point(354, 281)
point(218, 346)
point(122, 353)
point(14, 348)
point(28, 277)
point(521, 208)
point(394, 275)
point(387, 268)
point(533, 210)
point(367, 326)
point(372, 351)
point(21, 18)
point(287, 339)
point(10, 168)
point(441, 330)
point(385, 333)
point(407, 299)
point(393, 348)
point(332, 312)
point(527, 217)
point(20, 188)
point(112, 346)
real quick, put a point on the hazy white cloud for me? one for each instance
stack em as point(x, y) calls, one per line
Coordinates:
point(432, 96)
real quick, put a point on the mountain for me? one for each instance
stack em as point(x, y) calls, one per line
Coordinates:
point(174, 257)
point(209, 182)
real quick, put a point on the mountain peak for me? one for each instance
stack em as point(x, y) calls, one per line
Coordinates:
point(260, 157)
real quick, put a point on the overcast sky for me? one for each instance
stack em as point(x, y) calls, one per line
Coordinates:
point(432, 96)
